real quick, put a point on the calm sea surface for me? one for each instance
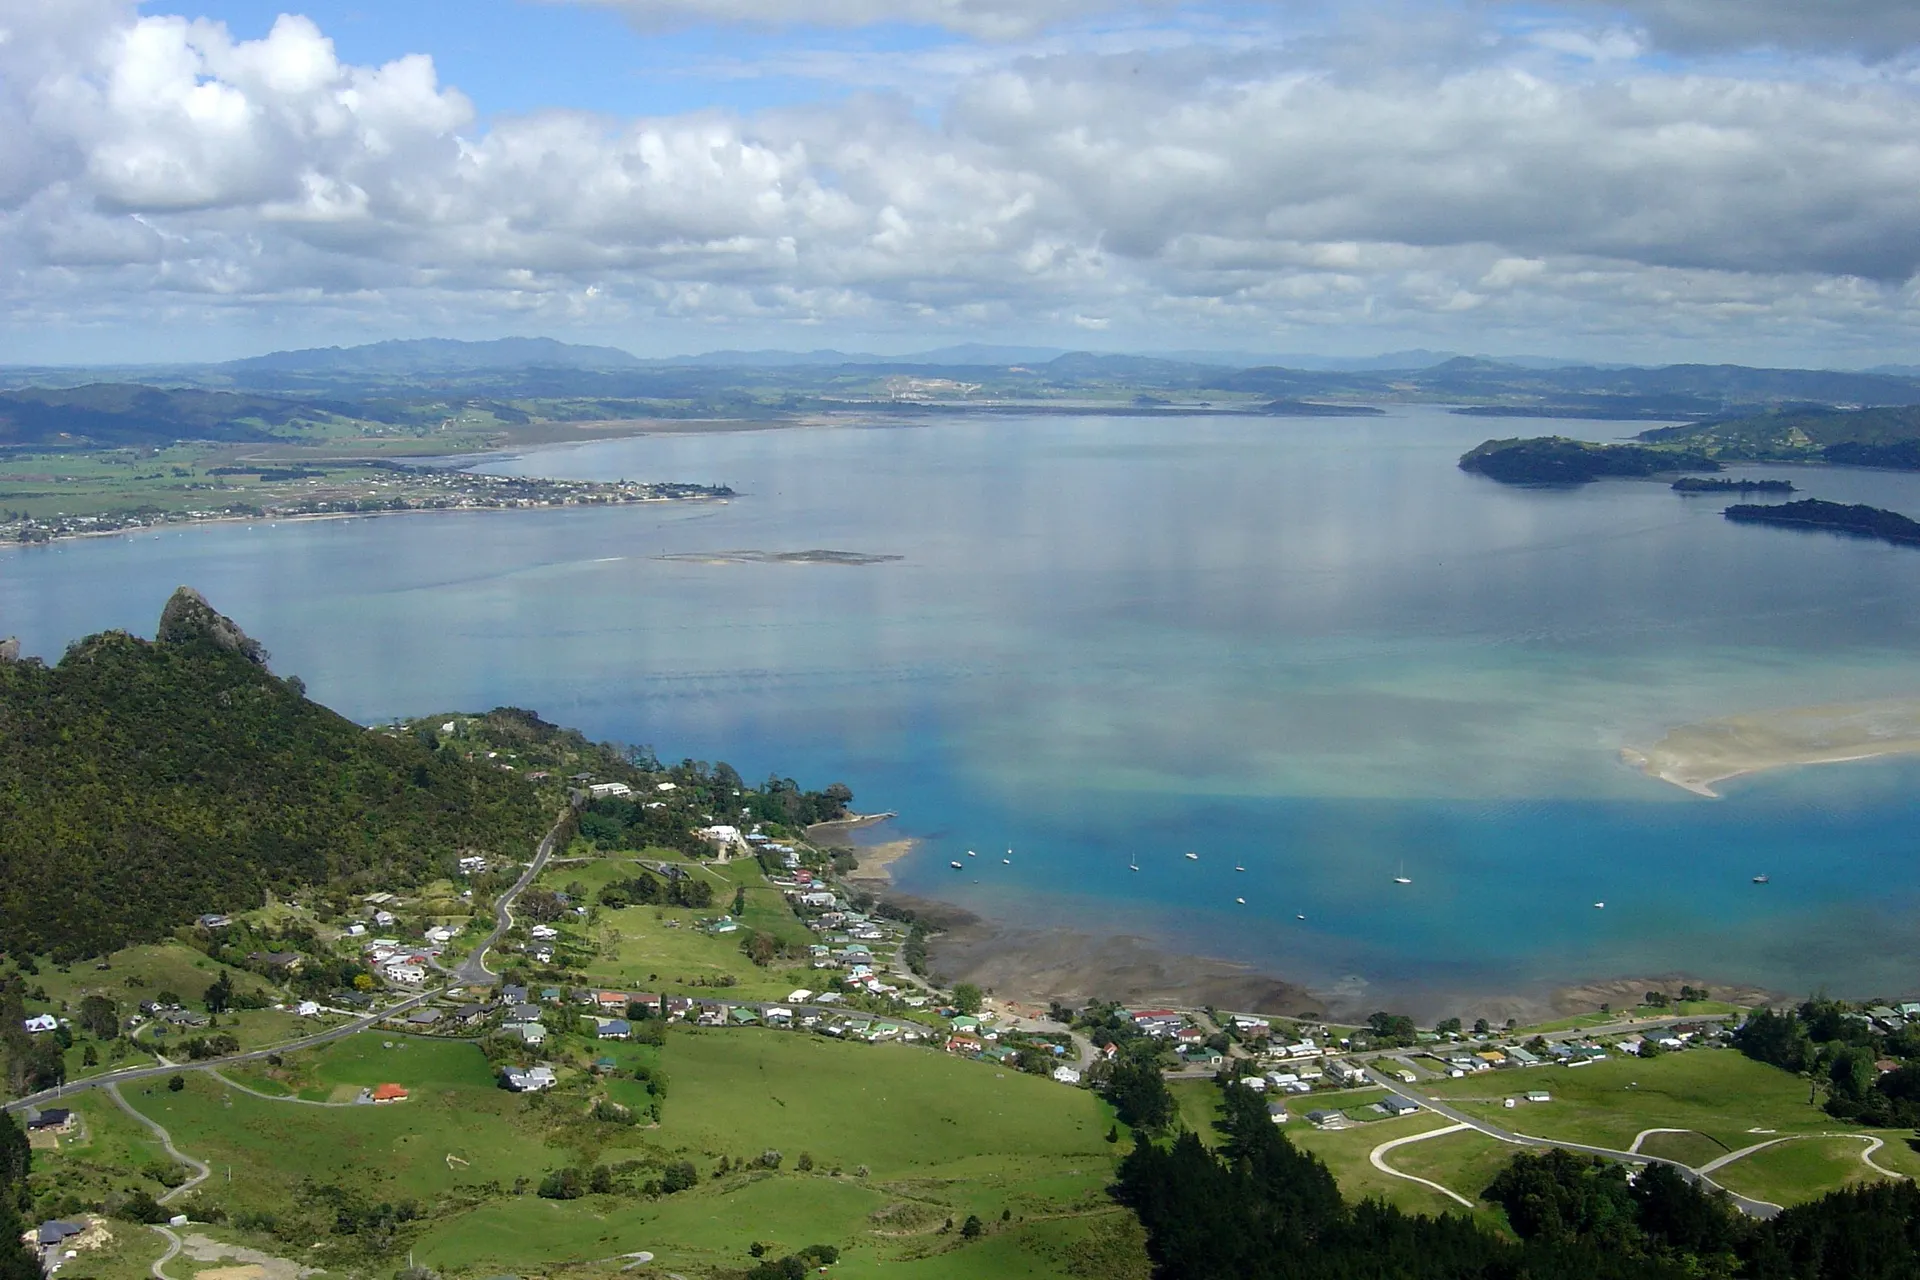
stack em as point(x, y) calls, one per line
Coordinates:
point(1314, 649)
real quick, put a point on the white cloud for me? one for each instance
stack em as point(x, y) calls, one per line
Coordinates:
point(156, 166)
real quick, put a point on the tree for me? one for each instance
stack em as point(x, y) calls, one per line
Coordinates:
point(1479, 1026)
point(1448, 1026)
point(1139, 1094)
point(99, 1017)
point(966, 998)
point(176, 1083)
point(219, 996)
point(972, 1227)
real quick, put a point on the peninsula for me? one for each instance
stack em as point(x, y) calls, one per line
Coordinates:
point(1697, 756)
point(1557, 460)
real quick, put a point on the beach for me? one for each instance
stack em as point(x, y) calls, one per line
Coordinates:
point(1697, 756)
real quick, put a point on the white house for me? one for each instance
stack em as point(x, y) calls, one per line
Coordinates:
point(604, 790)
point(1067, 1075)
point(41, 1022)
point(530, 1080)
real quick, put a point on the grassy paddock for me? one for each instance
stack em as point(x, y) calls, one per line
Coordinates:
point(1799, 1170)
point(1717, 1092)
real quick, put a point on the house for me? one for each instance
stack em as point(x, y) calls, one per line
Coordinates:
point(307, 1009)
point(476, 863)
point(1395, 1105)
point(384, 918)
point(678, 1006)
point(408, 975)
point(389, 1093)
point(1277, 1112)
point(1201, 1056)
point(543, 933)
point(961, 1042)
point(439, 935)
point(513, 995)
point(1349, 1073)
point(720, 834)
point(41, 1022)
point(799, 996)
point(615, 1029)
point(52, 1120)
point(468, 1015)
point(287, 961)
point(1302, 1049)
point(423, 1017)
point(712, 1015)
point(608, 790)
point(530, 1032)
point(529, 1079)
point(777, 1013)
point(741, 1015)
point(1067, 1075)
point(1255, 1083)
point(1326, 1119)
point(50, 1234)
point(1190, 1035)
point(611, 1000)
point(214, 920)
point(1539, 1095)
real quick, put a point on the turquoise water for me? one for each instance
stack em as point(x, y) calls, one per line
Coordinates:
point(1315, 649)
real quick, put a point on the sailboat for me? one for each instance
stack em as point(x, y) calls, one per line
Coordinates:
point(1133, 862)
point(1193, 857)
point(972, 854)
point(955, 864)
point(1402, 877)
point(1239, 868)
point(1763, 879)
point(1241, 901)
point(1006, 862)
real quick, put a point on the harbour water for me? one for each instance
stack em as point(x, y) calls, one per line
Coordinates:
point(1313, 648)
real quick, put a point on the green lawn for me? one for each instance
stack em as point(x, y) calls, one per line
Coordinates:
point(1717, 1092)
point(1199, 1105)
point(1690, 1149)
point(1346, 1150)
point(1464, 1162)
point(1798, 1170)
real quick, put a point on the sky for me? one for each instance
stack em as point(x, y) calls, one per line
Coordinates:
point(1641, 180)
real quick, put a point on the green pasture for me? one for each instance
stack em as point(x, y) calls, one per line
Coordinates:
point(1465, 1162)
point(1717, 1092)
point(1799, 1169)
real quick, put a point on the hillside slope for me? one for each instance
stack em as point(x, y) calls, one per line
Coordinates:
point(144, 782)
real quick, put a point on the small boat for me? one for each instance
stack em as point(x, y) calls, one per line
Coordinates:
point(1599, 906)
point(954, 865)
point(1133, 862)
point(1193, 857)
point(1239, 868)
point(1300, 917)
point(972, 854)
point(1402, 877)
point(1006, 862)
point(1241, 901)
point(1763, 879)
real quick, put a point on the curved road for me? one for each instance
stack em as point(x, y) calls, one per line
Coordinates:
point(1751, 1207)
point(473, 972)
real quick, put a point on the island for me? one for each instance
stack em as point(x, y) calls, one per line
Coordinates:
point(1557, 460)
point(1886, 437)
point(1696, 484)
point(1856, 519)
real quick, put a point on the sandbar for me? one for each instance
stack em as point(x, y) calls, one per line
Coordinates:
point(1696, 756)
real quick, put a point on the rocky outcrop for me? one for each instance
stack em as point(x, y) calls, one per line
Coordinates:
point(10, 650)
point(189, 617)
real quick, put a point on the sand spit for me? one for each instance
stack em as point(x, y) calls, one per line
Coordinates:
point(1696, 756)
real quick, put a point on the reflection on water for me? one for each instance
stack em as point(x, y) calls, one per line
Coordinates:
point(1316, 649)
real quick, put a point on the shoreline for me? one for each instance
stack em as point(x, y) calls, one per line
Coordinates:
point(1038, 965)
point(195, 522)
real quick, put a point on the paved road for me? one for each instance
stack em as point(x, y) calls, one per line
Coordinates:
point(1750, 1207)
point(475, 964)
point(473, 971)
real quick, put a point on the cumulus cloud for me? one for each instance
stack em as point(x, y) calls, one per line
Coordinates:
point(154, 162)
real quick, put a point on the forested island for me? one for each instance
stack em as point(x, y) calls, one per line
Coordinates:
point(1812, 513)
point(1696, 484)
point(1557, 460)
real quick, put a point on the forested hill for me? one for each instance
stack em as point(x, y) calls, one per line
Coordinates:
point(144, 782)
